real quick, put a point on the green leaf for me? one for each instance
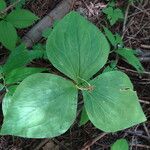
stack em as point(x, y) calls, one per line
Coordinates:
point(8, 35)
point(46, 32)
point(84, 117)
point(21, 18)
point(129, 55)
point(8, 98)
point(21, 73)
point(113, 104)
point(74, 45)
point(113, 14)
point(19, 57)
point(43, 106)
point(111, 67)
point(120, 144)
point(2, 5)
point(119, 40)
point(110, 36)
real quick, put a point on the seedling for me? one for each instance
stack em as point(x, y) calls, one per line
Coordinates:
point(45, 105)
point(127, 54)
point(113, 14)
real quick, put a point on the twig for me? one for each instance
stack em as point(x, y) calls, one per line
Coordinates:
point(145, 46)
point(132, 71)
point(145, 128)
point(139, 135)
point(141, 146)
point(144, 59)
point(60, 144)
point(144, 102)
point(42, 144)
point(89, 144)
point(141, 9)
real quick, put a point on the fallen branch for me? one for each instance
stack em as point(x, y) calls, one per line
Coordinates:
point(35, 34)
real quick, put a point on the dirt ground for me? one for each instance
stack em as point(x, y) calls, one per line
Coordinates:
point(135, 30)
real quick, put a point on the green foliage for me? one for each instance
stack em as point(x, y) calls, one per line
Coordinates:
point(8, 35)
point(113, 104)
point(126, 53)
point(77, 42)
point(20, 57)
point(113, 14)
point(8, 98)
point(45, 105)
point(18, 18)
point(115, 40)
point(84, 117)
point(111, 67)
point(120, 144)
point(2, 5)
point(37, 108)
point(129, 55)
point(14, 70)
point(21, 18)
point(20, 4)
point(21, 73)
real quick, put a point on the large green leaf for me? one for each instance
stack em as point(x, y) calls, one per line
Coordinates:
point(21, 18)
point(113, 105)
point(8, 35)
point(21, 73)
point(43, 105)
point(120, 144)
point(77, 48)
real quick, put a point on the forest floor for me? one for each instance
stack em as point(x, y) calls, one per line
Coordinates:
point(135, 30)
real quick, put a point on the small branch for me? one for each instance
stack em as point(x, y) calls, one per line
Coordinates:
point(145, 46)
point(141, 146)
point(146, 130)
point(139, 135)
point(144, 102)
point(144, 59)
point(89, 144)
point(42, 144)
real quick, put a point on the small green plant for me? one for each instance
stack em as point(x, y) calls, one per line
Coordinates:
point(9, 22)
point(15, 70)
point(120, 144)
point(127, 54)
point(45, 105)
point(113, 14)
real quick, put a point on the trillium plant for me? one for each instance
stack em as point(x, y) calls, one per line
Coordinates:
point(45, 105)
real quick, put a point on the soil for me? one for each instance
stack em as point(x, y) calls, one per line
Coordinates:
point(135, 29)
